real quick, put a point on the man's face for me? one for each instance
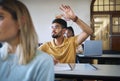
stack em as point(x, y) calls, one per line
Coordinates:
point(57, 30)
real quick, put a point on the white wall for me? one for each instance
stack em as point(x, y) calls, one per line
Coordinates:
point(44, 11)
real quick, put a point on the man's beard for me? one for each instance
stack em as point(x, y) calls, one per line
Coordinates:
point(57, 35)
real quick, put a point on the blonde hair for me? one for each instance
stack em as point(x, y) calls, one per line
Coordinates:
point(27, 34)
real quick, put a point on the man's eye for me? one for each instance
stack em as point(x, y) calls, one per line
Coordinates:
point(55, 27)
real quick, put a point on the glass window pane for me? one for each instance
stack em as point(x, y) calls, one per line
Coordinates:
point(112, 2)
point(111, 8)
point(100, 2)
point(117, 7)
point(106, 1)
point(117, 1)
point(119, 21)
point(96, 2)
point(97, 25)
point(115, 29)
point(100, 8)
point(115, 21)
point(95, 8)
point(106, 8)
point(119, 28)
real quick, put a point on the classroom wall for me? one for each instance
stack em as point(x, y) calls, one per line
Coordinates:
point(44, 11)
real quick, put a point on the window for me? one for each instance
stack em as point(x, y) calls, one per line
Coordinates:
point(107, 5)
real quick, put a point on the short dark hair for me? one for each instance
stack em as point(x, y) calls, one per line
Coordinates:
point(71, 29)
point(62, 22)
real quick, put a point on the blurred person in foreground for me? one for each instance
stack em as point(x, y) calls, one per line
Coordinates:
point(20, 60)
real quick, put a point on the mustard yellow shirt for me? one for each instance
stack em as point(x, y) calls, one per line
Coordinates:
point(65, 53)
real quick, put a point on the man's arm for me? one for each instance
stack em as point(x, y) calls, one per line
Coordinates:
point(85, 33)
point(68, 14)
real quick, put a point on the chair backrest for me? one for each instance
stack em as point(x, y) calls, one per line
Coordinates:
point(93, 48)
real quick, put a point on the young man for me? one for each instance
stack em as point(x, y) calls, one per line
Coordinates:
point(61, 48)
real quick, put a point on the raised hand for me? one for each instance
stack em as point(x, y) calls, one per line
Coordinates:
point(68, 13)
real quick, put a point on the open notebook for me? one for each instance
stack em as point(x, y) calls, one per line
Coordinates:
point(92, 48)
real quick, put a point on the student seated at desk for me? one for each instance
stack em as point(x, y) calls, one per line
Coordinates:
point(61, 48)
point(64, 49)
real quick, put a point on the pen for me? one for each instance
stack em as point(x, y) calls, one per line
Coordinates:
point(72, 66)
point(94, 66)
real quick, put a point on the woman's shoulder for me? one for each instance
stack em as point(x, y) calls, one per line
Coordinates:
point(41, 58)
point(42, 55)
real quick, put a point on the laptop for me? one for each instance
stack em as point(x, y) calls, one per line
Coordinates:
point(92, 48)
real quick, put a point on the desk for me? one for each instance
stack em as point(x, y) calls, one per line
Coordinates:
point(105, 57)
point(84, 71)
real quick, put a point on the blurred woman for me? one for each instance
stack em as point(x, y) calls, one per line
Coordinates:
point(19, 58)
